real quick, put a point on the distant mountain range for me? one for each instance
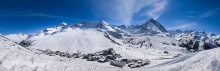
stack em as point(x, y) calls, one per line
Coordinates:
point(100, 41)
point(191, 40)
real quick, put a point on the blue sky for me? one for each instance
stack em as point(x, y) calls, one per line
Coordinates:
point(30, 16)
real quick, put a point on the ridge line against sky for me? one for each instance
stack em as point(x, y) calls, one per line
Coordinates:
point(20, 16)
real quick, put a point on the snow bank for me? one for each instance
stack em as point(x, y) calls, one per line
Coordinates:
point(208, 60)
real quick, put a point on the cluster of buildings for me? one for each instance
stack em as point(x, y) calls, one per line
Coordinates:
point(108, 55)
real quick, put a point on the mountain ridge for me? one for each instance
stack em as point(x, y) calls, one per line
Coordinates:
point(51, 48)
point(191, 40)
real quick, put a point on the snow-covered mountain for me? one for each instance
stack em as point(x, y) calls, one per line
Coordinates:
point(18, 38)
point(166, 50)
point(151, 26)
point(89, 36)
point(101, 35)
point(208, 60)
point(14, 57)
point(196, 40)
point(91, 24)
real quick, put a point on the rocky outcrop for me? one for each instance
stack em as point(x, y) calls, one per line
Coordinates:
point(113, 41)
point(115, 34)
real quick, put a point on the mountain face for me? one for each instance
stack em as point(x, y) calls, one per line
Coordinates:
point(18, 38)
point(91, 24)
point(195, 40)
point(139, 36)
point(151, 25)
point(126, 26)
point(89, 36)
point(147, 42)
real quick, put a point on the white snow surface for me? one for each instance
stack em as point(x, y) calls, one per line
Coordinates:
point(92, 40)
point(16, 58)
point(208, 60)
point(17, 37)
point(73, 40)
point(148, 41)
point(201, 36)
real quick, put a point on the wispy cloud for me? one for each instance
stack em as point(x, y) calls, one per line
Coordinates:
point(37, 14)
point(179, 21)
point(210, 13)
point(123, 10)
point(182, 24)
point(157, 7)
point(200, 15)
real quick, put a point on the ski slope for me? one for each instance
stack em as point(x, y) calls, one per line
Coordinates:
point(149, 40)
point(17, 37)
point(208, 60)
point(15, 58)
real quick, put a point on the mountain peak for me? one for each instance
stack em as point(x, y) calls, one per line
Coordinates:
point(102, 22)
point(211, 34)
point(175, 31)
point(62, 24)
point(152, 25)
point(152, 20)
point(124, 26)
point(22, 34)
point(91, 24)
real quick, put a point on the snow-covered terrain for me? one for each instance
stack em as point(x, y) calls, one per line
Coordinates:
point(166, 50)
point(196, 40)
point(208, 60)
point(18, 38)
point(100, 35)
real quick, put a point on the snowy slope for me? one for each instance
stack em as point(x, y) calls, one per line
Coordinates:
point(208, 60)
point(9, 55)
point(167, 50)
point(15, 58)
point(17, 37)
point(151, 27)
point(91, 24)
point(73, 40)
point(195, 40)
point(92, 36)
point(77, 39)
